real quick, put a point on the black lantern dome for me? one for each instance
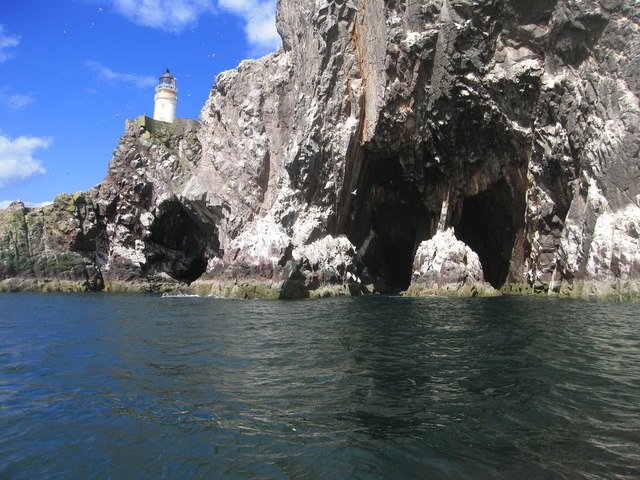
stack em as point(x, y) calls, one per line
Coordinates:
point(167, 81)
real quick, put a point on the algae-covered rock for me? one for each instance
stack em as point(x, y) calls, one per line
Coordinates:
point(452, 290)
point(615, 290)
point(516, 289)
point(233, 288)
point(52, 244)
point(45, 285)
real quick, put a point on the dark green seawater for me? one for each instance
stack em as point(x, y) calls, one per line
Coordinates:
point(100, 386)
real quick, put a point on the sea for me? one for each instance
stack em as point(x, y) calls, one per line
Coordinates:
point(128, 386)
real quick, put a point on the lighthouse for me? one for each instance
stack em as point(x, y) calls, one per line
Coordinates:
point(166, 98)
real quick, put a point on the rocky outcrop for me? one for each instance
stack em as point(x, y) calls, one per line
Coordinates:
point(395, 145)
point(132, 232)
point(49, 248)
point(443, 265)
point(147, 227)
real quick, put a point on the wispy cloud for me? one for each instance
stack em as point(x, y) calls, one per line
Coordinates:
point(16, 158)
point(260, 21)
point(15, 100)
point(7, 40)
point(168, 15)
point(108, 76)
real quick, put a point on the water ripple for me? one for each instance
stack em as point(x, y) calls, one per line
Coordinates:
point(133, 386)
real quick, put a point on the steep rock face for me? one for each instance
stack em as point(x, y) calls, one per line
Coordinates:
point(386, 122)
point(147, 227)
point(385, 133)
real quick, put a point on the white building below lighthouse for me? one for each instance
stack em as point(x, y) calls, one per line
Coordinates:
point(166, 98)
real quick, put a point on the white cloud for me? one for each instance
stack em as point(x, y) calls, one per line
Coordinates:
point(174, 15)
point(16, 158)
point(168, 15)
point(7, 40)
point(110, 77)
point(260, 21)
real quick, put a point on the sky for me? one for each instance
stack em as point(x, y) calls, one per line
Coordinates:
point(72, 72)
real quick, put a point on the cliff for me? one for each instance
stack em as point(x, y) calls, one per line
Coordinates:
point(455, 146)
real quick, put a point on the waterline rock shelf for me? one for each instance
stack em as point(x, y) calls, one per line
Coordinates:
point(435, 146)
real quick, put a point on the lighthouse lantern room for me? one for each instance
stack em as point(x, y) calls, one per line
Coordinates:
point(166, 98)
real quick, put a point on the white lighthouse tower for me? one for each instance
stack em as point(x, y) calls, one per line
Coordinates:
point(166, 98)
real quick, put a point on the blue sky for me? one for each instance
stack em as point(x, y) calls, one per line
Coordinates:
point(72, 72)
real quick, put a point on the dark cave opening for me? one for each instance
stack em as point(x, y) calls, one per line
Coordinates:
point(397, 259)
point(183, 243)
point(388, 216)
point(489, 224)
point(195, 270)
point(388, 257)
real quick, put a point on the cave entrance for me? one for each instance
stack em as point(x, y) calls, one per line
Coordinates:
point(489, 224)
point(182, 242)
point(387, 216)
point(388, 257)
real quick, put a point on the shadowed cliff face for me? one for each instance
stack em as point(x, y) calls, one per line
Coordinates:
point(395, 143)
